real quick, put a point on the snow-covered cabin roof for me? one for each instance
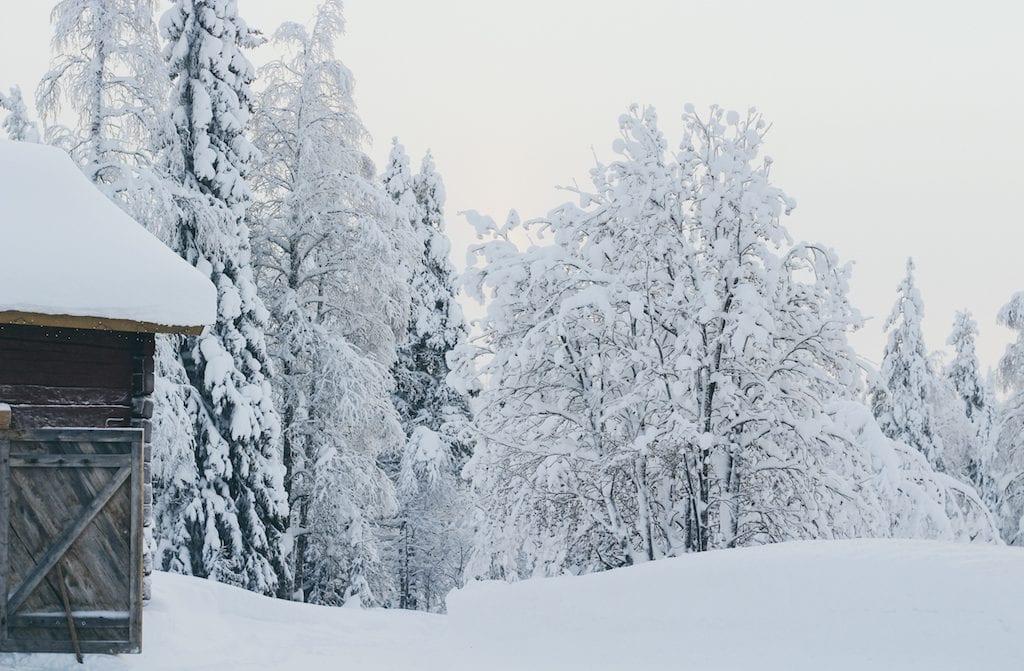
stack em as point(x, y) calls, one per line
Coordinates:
point(70, 257)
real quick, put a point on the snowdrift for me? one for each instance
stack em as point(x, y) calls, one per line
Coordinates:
point(815, 606)
point(836, 605)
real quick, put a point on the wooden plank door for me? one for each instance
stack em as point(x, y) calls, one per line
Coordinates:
point(71, 505)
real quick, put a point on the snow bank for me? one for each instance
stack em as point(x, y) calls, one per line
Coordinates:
point(835, 605)
point(194, 624)
point(814, 606)
point(66, 249)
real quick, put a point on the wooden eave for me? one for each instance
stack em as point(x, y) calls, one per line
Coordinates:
point(94, 323)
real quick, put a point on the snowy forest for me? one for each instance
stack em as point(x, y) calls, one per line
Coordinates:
point(658, 368)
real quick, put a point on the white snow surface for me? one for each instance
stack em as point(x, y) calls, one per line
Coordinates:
point(66, 249)
point(836, 605)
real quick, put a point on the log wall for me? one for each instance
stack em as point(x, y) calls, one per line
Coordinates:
point(61, 377)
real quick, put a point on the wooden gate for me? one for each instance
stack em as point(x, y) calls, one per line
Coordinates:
point(71, 540)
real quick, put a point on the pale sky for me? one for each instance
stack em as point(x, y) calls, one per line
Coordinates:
point(895, 122)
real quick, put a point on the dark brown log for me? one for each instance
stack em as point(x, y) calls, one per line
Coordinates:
point(68, 335)
point(142, 384)
point(147, 342)
point(32, 394)
point(62, 350)
point(80, 373)
point(142, 407)
point(41, 416)
point(91, 367)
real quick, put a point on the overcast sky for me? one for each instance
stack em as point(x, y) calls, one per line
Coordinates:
point(896, 124)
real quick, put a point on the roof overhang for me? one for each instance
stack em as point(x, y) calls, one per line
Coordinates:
point(94, 323)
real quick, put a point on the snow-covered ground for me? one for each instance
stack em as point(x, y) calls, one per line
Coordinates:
point(835, 606)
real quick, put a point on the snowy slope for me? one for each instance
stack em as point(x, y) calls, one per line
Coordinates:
point(835, 606)
point(66, 249)
point(814, 606)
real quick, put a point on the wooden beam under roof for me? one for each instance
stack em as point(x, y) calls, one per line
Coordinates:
point(95, 323)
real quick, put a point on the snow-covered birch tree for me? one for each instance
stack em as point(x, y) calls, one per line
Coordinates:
point(325, 262)
point(1009, 466)
point(665, 371)
point(233, 516)
point(109, 72)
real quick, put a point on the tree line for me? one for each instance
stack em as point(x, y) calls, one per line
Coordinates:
point(660, 368)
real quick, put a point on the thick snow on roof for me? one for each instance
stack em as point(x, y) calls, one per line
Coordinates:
point(66, 249)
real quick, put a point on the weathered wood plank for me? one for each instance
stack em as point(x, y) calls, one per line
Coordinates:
point(37, 394)
point(48, 501)
point(25, 545)
point(59, 621)
point(137, 569)
point(5, 449)
point(63, 542)
point(98, 647)
point(75, 435)
point(69, 460)
point(106, 556)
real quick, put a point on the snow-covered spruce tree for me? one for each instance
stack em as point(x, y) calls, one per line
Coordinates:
point(1009, 466)
point(430, 546)
point(17, 124)
point(904, 398)
point(398, 185)
point(975, 403)
point(325, 263)
point(234, 515)
point(669, 373)
point(108, 71)
point(436, 326)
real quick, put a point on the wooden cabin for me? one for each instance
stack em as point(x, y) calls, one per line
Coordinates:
point(84, 290)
